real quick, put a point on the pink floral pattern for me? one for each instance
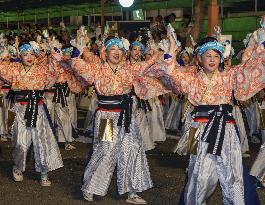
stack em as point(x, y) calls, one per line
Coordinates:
point(245, 79)
point(127, 76)
point(38, 77)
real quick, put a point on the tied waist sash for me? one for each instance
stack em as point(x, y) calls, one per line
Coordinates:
point(32, 98)
point(217, 117)
point(118, 103)
point(143, 104)
point(61, 91)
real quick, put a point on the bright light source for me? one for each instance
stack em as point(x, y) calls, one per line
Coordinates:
point(126, 3)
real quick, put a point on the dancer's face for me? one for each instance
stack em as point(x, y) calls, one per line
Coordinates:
point(28, 58)
point(114, 54)
point(136, 53)
point(210, 60)
point(186, 59)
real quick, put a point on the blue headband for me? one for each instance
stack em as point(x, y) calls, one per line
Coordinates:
point(67, 50)
point(114, 41)
point(28, 47)
point(213, 45)
point(137, 43)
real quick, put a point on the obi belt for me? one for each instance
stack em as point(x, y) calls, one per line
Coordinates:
point(6, 88)
point(61, 91)
point(216, 117)
point(142, 104)
point(118, 103)
point(32, 99)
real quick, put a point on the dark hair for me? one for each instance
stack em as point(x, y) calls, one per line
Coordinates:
point(206, 40)
point(23, 42)
point(173, 15)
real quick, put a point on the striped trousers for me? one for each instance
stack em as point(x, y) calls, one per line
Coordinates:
point(205, 170)
point(126, 150)
point(46, 151)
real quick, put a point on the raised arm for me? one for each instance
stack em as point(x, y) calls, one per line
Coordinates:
point(87, 71)
point(172, 77)
point(139, 68)
point(148, 87)
point(73, 83)
point(80, 68)
point(250, 75)
point(51, 72)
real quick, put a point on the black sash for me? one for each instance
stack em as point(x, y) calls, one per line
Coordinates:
point(61, 92)
point(123, 102)
point(214, 131)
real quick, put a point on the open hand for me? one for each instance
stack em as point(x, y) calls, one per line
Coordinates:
point(103, 53)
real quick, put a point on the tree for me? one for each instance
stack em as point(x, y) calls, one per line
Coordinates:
point(198, 17)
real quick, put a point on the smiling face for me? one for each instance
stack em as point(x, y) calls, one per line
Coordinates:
point(210, 61)
point(28, 58)
point(114, 55)
point(136, 53)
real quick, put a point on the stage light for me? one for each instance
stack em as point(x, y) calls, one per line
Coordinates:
point(126, 3)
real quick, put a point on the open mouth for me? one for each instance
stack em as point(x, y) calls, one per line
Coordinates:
point(116, 57)
point(212, 64)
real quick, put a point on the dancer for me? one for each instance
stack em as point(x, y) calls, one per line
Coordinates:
point(141, 107)
point(117, 139)
point(210, 89)
point(29, 79)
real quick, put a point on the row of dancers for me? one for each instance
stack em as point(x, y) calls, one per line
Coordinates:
point(130, 81)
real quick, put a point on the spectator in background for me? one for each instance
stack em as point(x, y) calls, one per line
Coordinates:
point(172, 21)
point(158, 25)
point(185, 30)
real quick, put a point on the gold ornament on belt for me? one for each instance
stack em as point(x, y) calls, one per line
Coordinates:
point(262, 116)
point(193, 140)
point(106, 130)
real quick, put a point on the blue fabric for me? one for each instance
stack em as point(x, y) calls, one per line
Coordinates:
point(67, 50)
point(167, 56)
point(250, 193)
point(213, 45)
point(180, 62)
point(114, 41)
point(75, 53)
point(16, 60)
point(28, 47)
point(56, 49)
point(263, 43)
point(181, 198)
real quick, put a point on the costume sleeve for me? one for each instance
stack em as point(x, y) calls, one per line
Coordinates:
point(8, 70)
point(250, 75)
point(172, 77)
point(85, 70)
point(74, 85)
point(52, 73)
point(252, 46)
point(148, 87)
point(139, 68)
